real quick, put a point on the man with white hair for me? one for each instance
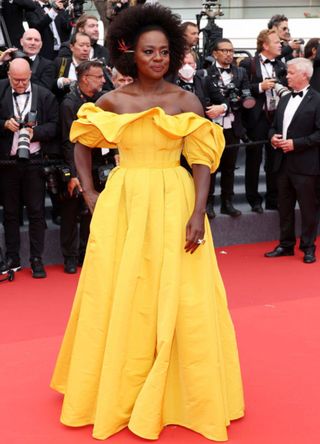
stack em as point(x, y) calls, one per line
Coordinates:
point(295, 135)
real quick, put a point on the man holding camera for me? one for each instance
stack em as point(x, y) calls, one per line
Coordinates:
point(28, 120)
point(53, 23)
point(43, 70)
point(73, 243)
point(279, 23)
point(229, 82)
point(267, 75)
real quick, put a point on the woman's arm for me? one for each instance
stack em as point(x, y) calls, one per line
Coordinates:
point(201, 178)
point(195, 225)
point(83, 161)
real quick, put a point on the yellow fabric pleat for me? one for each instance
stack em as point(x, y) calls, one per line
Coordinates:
point(149, 341)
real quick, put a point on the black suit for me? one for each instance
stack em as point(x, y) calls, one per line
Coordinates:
point(22, 179)
point(13, 17)
point(213, 92)
point(41, 21)
point(298, 170)
point(99, 51)
point(43, 72)
point(257, 121)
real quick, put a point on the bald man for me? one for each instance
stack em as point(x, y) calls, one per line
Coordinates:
point(43, 70)
point(23, 180)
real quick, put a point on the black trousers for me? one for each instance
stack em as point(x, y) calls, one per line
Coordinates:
point(75, 227)
point(302, 188)
point(226, 167)
point(254, 156)
point(23, 183)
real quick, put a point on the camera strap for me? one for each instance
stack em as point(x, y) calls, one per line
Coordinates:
point(34, 102)
point(19, 112)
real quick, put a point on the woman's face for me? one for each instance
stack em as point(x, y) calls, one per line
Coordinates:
point(152, 55)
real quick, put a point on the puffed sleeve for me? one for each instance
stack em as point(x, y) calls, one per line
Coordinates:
point(91, 127)
point(205, 146)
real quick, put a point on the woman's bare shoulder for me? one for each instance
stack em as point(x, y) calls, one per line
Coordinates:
point(190, 103)
point(111, 100)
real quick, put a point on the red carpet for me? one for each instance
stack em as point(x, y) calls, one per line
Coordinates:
point(275, 305)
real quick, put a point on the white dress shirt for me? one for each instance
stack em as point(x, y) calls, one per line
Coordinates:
point(291, 108)
point(225, 120)
point(21, 100)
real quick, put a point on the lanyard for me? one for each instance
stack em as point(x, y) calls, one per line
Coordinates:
point(20, 113)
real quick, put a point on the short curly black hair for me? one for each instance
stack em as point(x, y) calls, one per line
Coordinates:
point(126, 28)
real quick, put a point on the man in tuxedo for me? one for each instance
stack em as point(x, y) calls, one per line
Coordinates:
point(13, 11)
point(295, 135)
point(279, 23)
point(264, 72)
point(87, 24)
point(43, 70)
point(53, 23)
point(221, 75)
point(65, 67)
point(23, 180)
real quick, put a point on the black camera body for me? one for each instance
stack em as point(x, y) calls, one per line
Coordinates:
point(30, 121)
point(238, 98)
point(57, 178)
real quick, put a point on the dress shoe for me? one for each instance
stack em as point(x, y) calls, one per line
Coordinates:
point(309, 257)
point(210, 208)
point(10, 264)
point(228, 208)
point(38, 271)
point(257, 208)
point(70, 264)
point(280, 251)
point(273, 207)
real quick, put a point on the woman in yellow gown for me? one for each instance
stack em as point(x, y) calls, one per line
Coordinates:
point(150, 341)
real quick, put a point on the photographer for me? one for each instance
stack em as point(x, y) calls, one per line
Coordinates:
point(289, 46)
point(73, 244)
point(267, 77)
point(43, 70)
point(87, 24)
point(28, 121)
point(53, 23)
point(231, 83)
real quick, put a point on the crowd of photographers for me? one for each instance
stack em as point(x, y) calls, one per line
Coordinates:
point(53, 72)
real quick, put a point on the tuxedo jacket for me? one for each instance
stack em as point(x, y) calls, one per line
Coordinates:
point(215, 97)
point(41, 21)
point(253, 69)
point(47, 117)
point(304, 130)
point(13, 17)
point(99, 51)
point(43, 72)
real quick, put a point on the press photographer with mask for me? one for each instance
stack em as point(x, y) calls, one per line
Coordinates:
point(227, 90)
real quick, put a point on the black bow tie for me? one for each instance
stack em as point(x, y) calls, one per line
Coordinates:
point(273, 62)
point(15, 94)
point(295, 94)
point(228, 70)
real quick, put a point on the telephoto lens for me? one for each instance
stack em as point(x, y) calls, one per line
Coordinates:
point(23, 151)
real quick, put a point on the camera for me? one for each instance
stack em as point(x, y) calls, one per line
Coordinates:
point(281, 90)
point(238, 98)
point(57, 178)
point(30, 121)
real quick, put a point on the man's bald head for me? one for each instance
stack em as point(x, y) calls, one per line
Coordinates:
point(19, 75)
point(31, 42)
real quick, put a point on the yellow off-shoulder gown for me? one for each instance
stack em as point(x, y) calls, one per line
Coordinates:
point(149, 341)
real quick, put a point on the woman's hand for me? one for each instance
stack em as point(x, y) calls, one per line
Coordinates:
point(90, 197)
point(194, 232)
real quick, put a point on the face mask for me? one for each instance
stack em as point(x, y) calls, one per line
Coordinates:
point(187, 72)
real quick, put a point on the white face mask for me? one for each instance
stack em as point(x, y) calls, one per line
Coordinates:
point(187, 72)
